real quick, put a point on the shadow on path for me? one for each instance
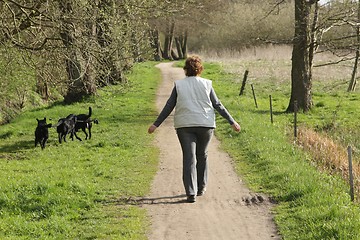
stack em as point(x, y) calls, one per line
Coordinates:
point(162, 200)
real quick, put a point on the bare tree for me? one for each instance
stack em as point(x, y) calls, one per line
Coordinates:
point(178, 20)
point(339, 34)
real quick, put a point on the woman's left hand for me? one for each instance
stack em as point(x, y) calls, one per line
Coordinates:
point(236, 127)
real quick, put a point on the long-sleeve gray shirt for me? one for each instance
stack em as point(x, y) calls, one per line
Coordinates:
point(171, 103)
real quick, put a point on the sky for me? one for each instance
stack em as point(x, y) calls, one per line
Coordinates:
point(323, 1)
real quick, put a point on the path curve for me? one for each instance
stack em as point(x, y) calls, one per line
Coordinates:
point(227, 211)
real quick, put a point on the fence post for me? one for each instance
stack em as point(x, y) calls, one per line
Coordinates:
point(271, 110)
point(351, 179)
point(243, 82)
point(253, 92)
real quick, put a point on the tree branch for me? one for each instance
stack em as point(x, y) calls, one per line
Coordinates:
point(34, 48)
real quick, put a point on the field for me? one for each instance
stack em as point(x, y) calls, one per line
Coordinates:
point(309, 181)
point(80, 190)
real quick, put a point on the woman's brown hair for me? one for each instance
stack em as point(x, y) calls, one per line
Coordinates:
point(193, 66)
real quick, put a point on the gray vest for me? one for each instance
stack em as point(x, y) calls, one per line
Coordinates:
point(193, 104)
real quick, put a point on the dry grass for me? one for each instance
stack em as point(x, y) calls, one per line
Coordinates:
point(273, 63)
point(262, 62)
point(328, 155)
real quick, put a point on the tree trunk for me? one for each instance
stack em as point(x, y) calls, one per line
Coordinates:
point(181, 45)
point(109, 72)
point(184, 44)
point(178, 41)
point(352, 84)
point(169, 37)
point(301, 68)
point(313, 37)
point(76, 89)
point(155, 44)
point(87, 61)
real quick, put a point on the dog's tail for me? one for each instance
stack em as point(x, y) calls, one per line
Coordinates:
point(90, 111)
point(61, 121)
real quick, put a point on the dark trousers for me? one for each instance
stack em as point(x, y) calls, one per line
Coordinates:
point(194, 143)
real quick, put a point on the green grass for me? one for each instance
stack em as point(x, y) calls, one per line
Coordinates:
point(78, 190)
point(311, 204)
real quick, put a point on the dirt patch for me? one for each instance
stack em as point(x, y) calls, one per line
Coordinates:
point(228, 210)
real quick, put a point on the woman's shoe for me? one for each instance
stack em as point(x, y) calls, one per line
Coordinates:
point(191, 199)
point(201, 192)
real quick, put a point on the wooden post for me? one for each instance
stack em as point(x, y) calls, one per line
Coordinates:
point(271, 111)
point(253, 92)
point(295, 119)
point(351, 179)
point(243, 82)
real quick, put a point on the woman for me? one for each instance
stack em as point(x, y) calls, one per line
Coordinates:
point(194, 100)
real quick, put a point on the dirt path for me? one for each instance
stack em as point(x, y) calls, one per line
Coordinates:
point(228, 210)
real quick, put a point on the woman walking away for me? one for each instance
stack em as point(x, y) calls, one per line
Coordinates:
point(194, 100)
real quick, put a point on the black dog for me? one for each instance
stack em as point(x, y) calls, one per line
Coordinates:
point(84, 122)
point(42, 132)
point(66, 126)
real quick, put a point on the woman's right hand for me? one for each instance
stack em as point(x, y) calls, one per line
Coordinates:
point(152, 128)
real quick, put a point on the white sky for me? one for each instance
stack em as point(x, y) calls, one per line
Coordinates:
point(323, 1)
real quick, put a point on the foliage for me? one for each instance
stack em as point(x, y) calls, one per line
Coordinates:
point(107, 37)
point(79, 190)
point(84, 44)
point(14, 72)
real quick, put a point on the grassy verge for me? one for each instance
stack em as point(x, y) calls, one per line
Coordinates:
point(311, 204)
point(78, 190)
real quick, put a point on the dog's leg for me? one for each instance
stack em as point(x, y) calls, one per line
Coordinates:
point(84, 130)
point(45, 141)
point(77, 136)
point(42, 143)
point(90, 130)
point(72, 135)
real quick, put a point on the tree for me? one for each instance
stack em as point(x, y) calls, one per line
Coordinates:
point(76, 89)
point(91, 42)
point(179, 19)
point(301, 84)
point(339, 34)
